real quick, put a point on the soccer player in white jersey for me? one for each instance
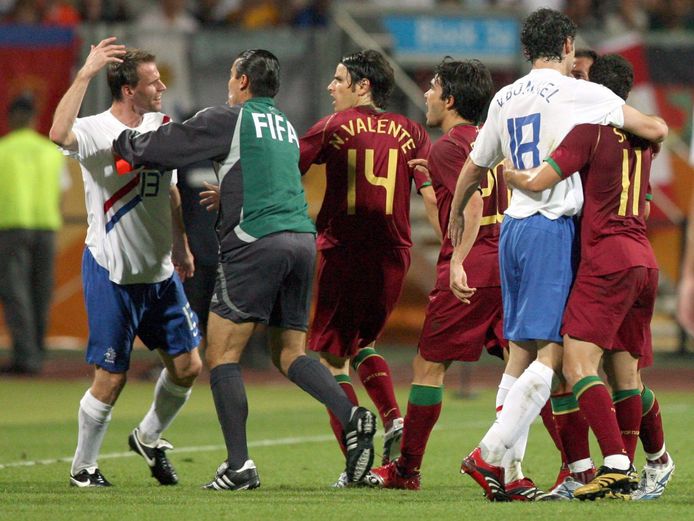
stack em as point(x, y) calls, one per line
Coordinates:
point(135, 239)
point(526, 121)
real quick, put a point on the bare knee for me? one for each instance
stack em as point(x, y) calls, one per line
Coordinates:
point(185, 368)
point(428, 373)
point(286, 345)
point(107, 386)
point(335, 364)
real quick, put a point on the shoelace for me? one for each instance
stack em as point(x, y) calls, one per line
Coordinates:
point(99, 478)
point(161, 459)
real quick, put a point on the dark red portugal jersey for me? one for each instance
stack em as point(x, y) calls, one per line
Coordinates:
point(447, 157)
point(368, 180)
point(615, 169)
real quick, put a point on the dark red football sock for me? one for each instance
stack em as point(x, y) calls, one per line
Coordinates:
point(374, 374)
point(598, 409)
point(346, 385)
point(627, 404)
point(423, 410)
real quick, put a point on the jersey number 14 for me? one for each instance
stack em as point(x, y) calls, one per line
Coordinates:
point(387, 182)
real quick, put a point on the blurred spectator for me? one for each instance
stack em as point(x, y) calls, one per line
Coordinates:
point(257, 14)
point(103, 10)
point(61, 12)
point(627, 15)
point(215, 12)
point(166, 15)
point(586, 14)
point(685, 292)
point(5, 7)
point(529, 6)
point(404, 3)
point(669, 15)
point(30, 191)
point(164, 30)
point(25, 12)
point(309, 13)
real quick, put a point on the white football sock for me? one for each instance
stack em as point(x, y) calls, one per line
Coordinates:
point(581, 465)
point(505, 385)
point(92, 420)
point(618, 461)
point(168, 400)
point(522, 405)
point(513, 458)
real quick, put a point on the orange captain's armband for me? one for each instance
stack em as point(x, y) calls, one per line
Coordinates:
point(122, 166)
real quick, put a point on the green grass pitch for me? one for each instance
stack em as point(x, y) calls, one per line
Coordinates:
point(297, 459)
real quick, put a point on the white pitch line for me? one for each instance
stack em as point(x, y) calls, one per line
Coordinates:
point(199, 448)
point(209, 448)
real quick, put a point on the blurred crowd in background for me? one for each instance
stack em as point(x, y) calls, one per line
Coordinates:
point(611, 16)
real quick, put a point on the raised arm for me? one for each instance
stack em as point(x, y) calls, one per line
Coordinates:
point(652, 128)
point(465, 188)
point(533, 180)
point(207, 135)
point(69, 106)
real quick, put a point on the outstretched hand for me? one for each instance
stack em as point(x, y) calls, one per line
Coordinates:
point(210, 198)
point(100, 55)
point(419, 163)
point(183, 261)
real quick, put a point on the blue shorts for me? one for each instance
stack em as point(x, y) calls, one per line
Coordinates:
point(158, 313)
point(537, 263)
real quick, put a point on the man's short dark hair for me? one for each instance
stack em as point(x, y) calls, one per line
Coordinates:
point(469, 83)
point(262, 68)
point(586, 53)
point(544, 33)
point(614, 72)
point(371, 65)
point(20, 111)
point(125, 73)
point(22, 103)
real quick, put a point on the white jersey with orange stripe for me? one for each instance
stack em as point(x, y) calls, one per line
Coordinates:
point(129, 216)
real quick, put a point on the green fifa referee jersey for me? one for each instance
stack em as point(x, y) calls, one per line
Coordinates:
point(31, 167)
point(255, 150)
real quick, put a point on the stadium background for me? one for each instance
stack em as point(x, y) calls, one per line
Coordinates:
point(41, 57)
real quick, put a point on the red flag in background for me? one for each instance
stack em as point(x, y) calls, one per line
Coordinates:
point(38, 60)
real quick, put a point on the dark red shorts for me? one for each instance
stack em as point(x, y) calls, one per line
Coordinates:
point(614, 311)
point(456, 331)
point(355, 293)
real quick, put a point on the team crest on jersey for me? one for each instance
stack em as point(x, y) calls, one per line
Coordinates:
point(110, 356)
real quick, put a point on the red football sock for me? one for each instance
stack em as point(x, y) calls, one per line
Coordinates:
point(651, 432)
point(597, 407)
point(374, 373)
point(572, 427)
point(423, 410)
point(552, 428)
point(627, 404)
point(346, 384)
